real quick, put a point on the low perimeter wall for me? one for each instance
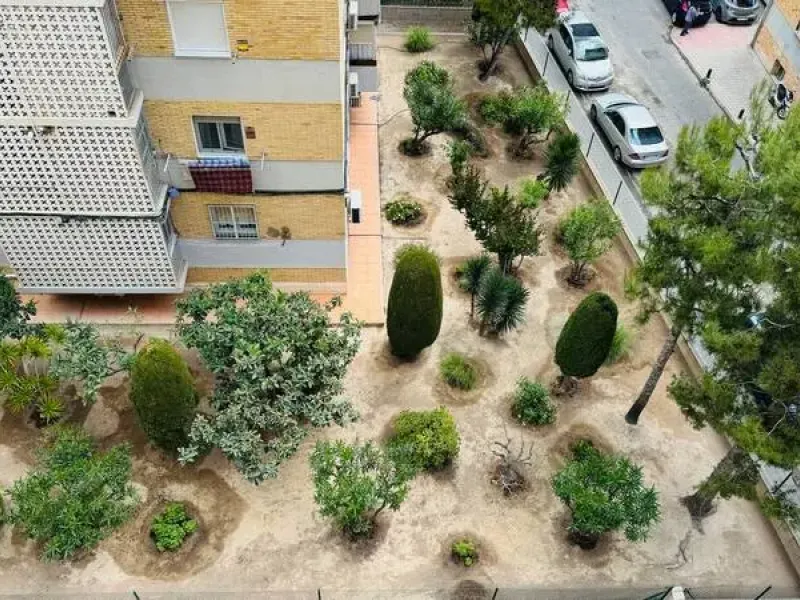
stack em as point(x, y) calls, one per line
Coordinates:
point(437, 18)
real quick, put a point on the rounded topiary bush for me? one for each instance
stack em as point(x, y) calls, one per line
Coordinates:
point(586, 339)
point(163, 393)
point(414, 314)
point(425, 439)
point(532, 404)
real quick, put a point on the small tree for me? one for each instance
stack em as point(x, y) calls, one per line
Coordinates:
point(501, 302)
point(414, 312)
point(472, 273)
point(433, 105)
point(75, 496)
point(586, 339)
point(561, 160)
point(353, 484)
point(278, 366)
point(525, 113)
point(496, 22)
point(605, 493)
point(424, 439)
point(587, 233)
point(14, 314)
point(163, 393)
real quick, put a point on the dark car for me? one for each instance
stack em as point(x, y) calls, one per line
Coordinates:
point(703, 8)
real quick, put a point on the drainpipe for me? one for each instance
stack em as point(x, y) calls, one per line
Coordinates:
point(761, 22)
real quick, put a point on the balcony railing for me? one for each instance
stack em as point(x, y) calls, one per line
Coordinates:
point(113, 29)
point(150, 164)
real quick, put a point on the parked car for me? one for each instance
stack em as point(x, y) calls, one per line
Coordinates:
point(735, 11)
point(578, 47)
point(635, 137)
point(703, 8)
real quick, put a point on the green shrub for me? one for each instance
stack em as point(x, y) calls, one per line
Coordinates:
point(171, 527)
point(585, 341)
point(496, 108)
point(465, 551)
point(418, 39)
point(425, 439)
point(74, 496)
point(532, 193)
point(458, 372)
point(163, 393)
point(532, 404)
point(414, 313)
point(620, 345)
point(403, 212)
point(471, 135)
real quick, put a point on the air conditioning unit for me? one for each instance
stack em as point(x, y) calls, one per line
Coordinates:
point(353, 89)
point(352, 15)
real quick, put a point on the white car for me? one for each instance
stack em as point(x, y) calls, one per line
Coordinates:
point(577, 45)
point(635, 137)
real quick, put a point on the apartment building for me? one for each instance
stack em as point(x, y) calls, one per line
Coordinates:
point(150, 145)
point(777, 42)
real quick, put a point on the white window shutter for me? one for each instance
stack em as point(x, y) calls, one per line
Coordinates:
point(198, 28)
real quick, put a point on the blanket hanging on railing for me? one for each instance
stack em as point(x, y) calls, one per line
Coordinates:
point(222, 175)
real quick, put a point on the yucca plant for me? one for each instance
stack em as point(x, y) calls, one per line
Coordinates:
point(513, 313)
point(501, 302)
point(472, 272)
point(561, 160)
point(24, 380)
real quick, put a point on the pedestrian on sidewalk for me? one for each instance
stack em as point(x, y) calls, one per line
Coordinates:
point(690, 12)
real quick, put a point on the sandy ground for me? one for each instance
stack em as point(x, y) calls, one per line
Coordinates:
point(269, 539)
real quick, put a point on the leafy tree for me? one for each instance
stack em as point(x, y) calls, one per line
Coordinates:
point(496, 22)
point(414, 312)
point(587, 233)
point(353, 484)
point(702, 262)
point(433, 104)
point(561, 160)
point(526, 113)
point(586, 338)
point(498, 219)
point(472, 273)
point(424, 439)
point(501, 302)
point(14, 314)
point(163, 393)
point(278, 365)
point(75, 496)
point(605, 493)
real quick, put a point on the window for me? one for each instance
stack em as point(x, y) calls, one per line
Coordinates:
point(237, 222)
point(198, 28)
point(219, 135)
point(617, 120)
point(777, 70)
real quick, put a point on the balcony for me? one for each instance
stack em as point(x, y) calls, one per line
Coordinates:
point(363, 44)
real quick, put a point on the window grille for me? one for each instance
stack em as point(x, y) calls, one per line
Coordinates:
point(233, 222)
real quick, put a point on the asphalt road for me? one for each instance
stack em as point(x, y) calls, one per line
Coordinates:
point(646, 65)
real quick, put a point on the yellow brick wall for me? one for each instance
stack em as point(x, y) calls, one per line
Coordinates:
point(791, 10)
point(771, 51)
point(308, 217)
point(285, 29)
point(283, 131)
point(198, 275)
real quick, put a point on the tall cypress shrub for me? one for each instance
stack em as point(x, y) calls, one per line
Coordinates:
point(163, 393)
point(414, 314)
point(586, 339)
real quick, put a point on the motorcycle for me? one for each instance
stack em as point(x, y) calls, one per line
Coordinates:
point(781, 99)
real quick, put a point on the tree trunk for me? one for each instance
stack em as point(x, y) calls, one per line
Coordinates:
point(506, 260)
point(472, 305)
point(586, 541)
point(667, 349)
point(701, 503)
point(576, 274)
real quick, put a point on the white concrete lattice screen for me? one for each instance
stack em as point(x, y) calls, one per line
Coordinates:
point(57, 62)
point(88, 170)
point(48, 252)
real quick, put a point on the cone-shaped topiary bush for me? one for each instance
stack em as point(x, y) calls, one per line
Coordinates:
point(586, 339)
point(414, 314)
point(163, 393)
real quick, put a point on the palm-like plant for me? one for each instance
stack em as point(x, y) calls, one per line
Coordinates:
point(501, 302)
point(472, 272)
point(513, 313)
point(561, 160)
point(24, 380)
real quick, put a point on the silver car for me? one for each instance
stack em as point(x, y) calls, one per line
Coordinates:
point(635, 137)
point(582, 53)
point(736, 11)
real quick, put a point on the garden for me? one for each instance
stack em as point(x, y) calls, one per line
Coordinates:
point(480, 436)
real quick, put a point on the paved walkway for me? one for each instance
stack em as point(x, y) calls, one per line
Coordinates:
point(364, 296)
point(725, 49)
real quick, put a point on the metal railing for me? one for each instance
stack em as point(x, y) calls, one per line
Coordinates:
point(111, 22)
point(431, 3)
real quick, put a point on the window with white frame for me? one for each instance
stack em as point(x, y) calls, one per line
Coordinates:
point(198, 28)
point(219, 135)
point(236, 222)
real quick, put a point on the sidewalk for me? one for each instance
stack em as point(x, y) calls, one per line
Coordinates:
point(725, 49)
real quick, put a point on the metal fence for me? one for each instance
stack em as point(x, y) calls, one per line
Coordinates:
point(429, 3)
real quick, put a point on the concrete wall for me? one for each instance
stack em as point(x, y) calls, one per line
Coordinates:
point(438, 18)
point(243, 80)
point(296, 254)
point(319, 280)
point(367, 77)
